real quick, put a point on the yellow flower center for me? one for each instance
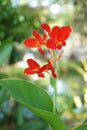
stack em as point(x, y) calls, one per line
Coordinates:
point(58, 43)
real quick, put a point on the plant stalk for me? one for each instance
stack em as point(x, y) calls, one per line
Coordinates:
point(54, 97)
point(54, 86)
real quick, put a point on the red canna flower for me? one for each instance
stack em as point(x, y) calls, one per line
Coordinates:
point(54, 39)
point(34, 68)
point(48, 67)
point(57, 36)
point(37, 41)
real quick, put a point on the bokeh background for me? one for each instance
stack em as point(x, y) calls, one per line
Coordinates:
point(17, 20)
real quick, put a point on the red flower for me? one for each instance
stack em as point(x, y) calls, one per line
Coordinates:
point(34, 68)
point(57, 36)
point(47, 67)
point(37, 41)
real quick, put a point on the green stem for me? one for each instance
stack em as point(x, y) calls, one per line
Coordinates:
point(55, 87)
point(54, 98)
point(53, 83)
point(50, 128)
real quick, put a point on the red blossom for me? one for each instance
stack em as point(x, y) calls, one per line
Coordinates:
point(54, 38)
point(35, 68)
point(37, 41)
point(48, 67)
point(57, 36)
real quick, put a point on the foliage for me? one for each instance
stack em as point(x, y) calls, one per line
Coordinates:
point(19, 19)
point(5, 50)
point(80, 18)
point(82, 127)
point(23, 18)
point(35, 99)
point(32, 125)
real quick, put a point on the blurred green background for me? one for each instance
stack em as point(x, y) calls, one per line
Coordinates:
point(17, 20)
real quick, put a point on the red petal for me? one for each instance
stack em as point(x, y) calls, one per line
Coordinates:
point(46, 27)
point(47, 67)
point(60, 34)
point(59, 47)
point(43, 68)
point(41, 75)
point(44, 37)
point(41, 50)
point(33, 64)
point(50, 67)
point(31, 42)
point(36, 34)
point(63, 43)
point(51, 44)
point(53, 73)
point(29, 71)
point(56, 33)
point(65, 30)
point(33, 67)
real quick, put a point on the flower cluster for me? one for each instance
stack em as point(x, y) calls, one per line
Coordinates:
point(53, 39)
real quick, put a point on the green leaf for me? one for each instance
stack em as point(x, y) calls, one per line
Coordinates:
point(82, 127)
point(5, 50)
point(35, 99)
point(32, 125)
point(3, 95)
